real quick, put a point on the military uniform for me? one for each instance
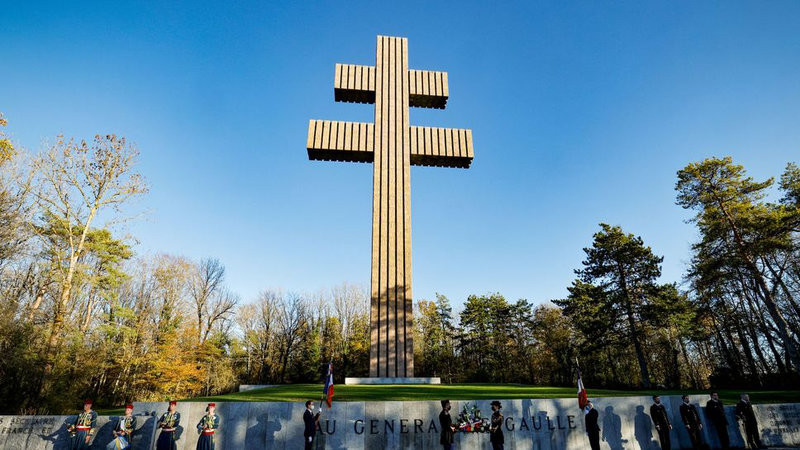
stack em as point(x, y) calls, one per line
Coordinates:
point(592, 429)
point(660, 417)
point(168, 423)
point(207, 426)
point(123, 432)
point(715, 411)
point(691, 419)
point(744, 411)
point(83, 427)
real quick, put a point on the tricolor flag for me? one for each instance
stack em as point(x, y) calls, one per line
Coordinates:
point(582, 399)
point(328, 391)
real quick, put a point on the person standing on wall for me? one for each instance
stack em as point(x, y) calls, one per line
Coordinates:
point(311, 421)
point(715, 411)
point(661, 419)
point(691, 419)
point(592, 428)
point(448, 429)
point(744, 411)
point(496, 427)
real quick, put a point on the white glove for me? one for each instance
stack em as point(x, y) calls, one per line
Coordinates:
point(309, 439)
point(319, 410)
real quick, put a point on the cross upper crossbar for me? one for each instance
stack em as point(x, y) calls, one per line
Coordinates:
point(356, 84)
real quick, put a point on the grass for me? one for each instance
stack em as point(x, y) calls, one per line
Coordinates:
point(345, 393)
point(353, 393)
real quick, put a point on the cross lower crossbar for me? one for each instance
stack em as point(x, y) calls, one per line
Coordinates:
point(356, 84)
point(330, 140)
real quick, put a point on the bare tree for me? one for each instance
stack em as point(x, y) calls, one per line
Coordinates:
point(291, 317)
point(75, 183)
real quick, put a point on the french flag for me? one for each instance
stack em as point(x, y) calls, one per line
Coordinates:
point(582, 398)
point(328, 391)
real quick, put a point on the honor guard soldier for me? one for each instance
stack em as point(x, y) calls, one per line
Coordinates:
point(448, 429)
point(744, 411)
point(123, 430)
point(207, 426)
point(715, 411)
point(82, 429)
point(661, 419)
point(592, 428)
point(496, 427)
point(691, 419)
point(168, 423)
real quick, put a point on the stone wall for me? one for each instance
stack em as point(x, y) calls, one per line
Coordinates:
point(50, 432)
point(530, 424)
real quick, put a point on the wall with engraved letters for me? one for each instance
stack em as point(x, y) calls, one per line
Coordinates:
point(529, 424)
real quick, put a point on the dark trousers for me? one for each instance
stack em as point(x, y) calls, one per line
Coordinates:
point(448, 446)
point(309, 443)
point(497, 446)
point(594, 440)
point(753, 440)
point(695, 437)
point(722, 432)
point(663, 436)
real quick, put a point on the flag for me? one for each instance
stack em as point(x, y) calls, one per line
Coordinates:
point(328, 391)
point(582, 399)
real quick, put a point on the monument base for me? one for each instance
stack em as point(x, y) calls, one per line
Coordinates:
point(389, 380)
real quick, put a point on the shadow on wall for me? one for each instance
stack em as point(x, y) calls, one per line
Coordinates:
point(643, 429)
point(612, 429)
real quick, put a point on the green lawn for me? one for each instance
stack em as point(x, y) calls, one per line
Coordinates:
point(343, 393)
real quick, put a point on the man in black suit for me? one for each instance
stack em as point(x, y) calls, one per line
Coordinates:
point(744, 411)
point(592, 429)
point(311, 421)
point(446, 422)
point(715, 411)
point(660, 418)
point(691, 419)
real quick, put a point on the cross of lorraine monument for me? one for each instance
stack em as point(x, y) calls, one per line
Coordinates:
point(392, 145)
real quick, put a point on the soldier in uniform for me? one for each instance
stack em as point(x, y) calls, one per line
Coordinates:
point(496, 427)
point(168, 423)
point(691, 419)
point(123, 430)
point(207, 427)
point(660, 418)
point(83, 428)
point(716, 413)
point(744, 411)
point(446, 422)
point(592, 429)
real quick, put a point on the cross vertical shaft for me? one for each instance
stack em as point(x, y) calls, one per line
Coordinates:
point(391, 349)
point(393, 146)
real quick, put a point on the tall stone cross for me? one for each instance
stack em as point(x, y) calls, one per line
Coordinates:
point(392, 145)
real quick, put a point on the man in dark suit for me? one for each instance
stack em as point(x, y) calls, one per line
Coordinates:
point(660, 418)
point(691, 419)
point(592, 429)
point(715, 411)
point(446, 422)
point(311, 421)
point(744, 411)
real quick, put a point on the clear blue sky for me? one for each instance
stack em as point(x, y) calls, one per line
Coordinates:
point(581, 113)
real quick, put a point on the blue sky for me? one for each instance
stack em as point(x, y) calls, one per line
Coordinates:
point(582, 112)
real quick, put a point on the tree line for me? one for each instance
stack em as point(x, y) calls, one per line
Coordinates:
point(84, 316)
point(732, 321)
